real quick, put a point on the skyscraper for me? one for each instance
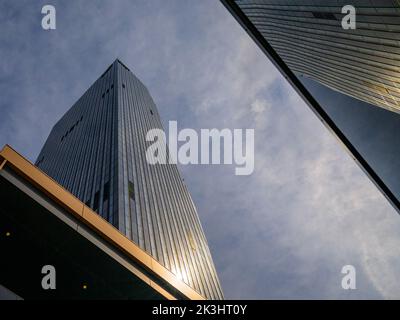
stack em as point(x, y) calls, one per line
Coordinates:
point(308, 35)
point(97, 152)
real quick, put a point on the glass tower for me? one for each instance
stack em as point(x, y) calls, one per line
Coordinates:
point(97, 151)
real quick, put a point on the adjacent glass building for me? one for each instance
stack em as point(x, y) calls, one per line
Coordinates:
point(350, 78)
point(97, 151)
point(363, 63)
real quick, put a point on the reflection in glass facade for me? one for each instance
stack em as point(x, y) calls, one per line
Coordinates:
point(97, 152)
point(363, 63)
point(375, 132)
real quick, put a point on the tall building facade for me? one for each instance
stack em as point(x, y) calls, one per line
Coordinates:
point(363, 63)
point(97, 151)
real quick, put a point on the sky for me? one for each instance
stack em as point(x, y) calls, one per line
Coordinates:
point(284, 232)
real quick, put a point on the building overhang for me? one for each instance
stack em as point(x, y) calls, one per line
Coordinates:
point(41, 224)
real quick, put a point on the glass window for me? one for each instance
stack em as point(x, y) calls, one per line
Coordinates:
point(131, 190)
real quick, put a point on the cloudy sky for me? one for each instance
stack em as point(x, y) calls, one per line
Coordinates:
point(287, 230)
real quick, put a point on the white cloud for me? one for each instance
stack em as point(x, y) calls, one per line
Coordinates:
point(259, 106)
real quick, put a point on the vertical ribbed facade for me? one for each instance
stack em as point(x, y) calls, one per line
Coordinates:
point(363, 63)
point(98, 152)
